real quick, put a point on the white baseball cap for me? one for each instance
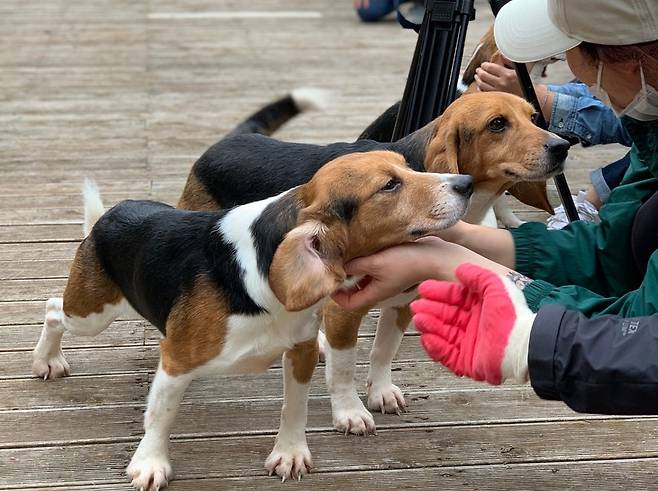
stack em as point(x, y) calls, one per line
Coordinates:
point(530, 30)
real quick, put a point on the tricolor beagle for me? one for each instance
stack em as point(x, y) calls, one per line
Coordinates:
point(233, 290)
point(489, 136)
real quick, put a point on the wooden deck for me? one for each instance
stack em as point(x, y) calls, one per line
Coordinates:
point(131, 93)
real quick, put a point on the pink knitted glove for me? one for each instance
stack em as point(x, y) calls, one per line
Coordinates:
point(478, 328)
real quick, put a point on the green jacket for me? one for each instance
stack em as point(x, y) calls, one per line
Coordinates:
point(589, 267)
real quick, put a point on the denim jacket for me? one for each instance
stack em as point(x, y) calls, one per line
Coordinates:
point(578, 115)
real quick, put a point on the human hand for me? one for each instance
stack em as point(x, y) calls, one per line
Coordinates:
point(361, 4)
point(479, 327)
point(498, 75)
point(392, 271)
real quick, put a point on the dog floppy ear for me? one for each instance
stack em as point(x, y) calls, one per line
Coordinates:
point(443, 150)
point(533, 194)
point(307, 266)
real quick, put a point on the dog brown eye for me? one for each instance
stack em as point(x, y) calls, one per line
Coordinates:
point(497, 124)
point(391, 185)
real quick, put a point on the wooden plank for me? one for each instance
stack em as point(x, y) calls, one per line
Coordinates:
point(121, 333)
point(14, 234)
point(62, 426)
point(75, 390)
point(27, 312)
point(37, 268)
point(39, 289)
point(97, 360)
point(54, 250)
point(391, 449)
point(611, 475)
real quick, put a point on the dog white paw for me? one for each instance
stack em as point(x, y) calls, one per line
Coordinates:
point(149, 473)
point(289, 461)
point(47, 366)
point(386, 398)
point(355, 419)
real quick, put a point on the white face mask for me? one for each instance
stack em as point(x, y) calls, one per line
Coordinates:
point(643, 107)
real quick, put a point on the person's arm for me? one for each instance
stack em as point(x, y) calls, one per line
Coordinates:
point(397, 269)
point(578, 115)
point(606, 364)
point(496, 244)
point(570, 109)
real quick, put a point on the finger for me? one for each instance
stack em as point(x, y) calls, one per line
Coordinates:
point(495, 69)
point(443, 291)
point(487, 77)
point(356, 299)
point(484, 87)
point(448, 314)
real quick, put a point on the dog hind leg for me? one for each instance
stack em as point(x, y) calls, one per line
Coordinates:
point(91, 302)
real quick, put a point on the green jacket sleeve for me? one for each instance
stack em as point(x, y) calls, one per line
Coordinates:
point(596, 257)
point(588, 267)
point(639, 302)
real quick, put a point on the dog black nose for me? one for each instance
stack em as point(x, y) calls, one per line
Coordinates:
point(558, 148)
point(462, 185)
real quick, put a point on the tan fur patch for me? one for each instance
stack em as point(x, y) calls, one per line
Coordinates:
point(196, 329)
point(88, 288)
point(304, 357)
point(403, 317)
point(341, 326)
point(196, 197)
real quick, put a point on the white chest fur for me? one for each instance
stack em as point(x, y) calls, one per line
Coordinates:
point(254, 343)
point(481, 204)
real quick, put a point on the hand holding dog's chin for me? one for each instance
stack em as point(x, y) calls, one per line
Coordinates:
point(397, 269)
point(453, 234)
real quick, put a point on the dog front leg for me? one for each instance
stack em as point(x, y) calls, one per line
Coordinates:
point(348, 412)
point(383, 395)
point(150, 468)
point(291, 457)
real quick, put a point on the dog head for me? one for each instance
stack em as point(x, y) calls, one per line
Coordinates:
point(491, 136)
point(356, 205)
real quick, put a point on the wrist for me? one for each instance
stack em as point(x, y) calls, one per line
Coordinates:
point(515, 361)
point(457, 234)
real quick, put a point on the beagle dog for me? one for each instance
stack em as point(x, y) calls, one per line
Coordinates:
point(233, 290)
point(489, 136)
point(532, 193)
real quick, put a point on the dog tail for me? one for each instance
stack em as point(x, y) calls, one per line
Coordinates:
point(94, 208)
point(271, 117)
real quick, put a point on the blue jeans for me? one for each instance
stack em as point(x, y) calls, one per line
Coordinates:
point(378, 9)
point(607, 178)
